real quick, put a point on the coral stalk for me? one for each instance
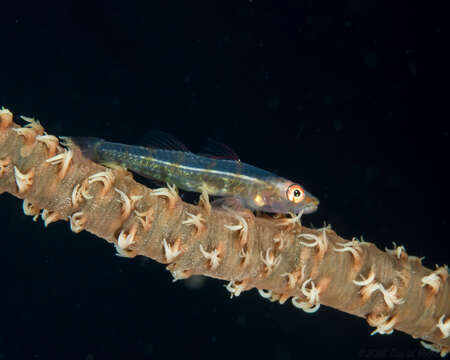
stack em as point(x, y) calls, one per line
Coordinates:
point(277, 255)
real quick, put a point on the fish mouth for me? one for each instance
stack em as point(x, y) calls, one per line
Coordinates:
point(311, 205)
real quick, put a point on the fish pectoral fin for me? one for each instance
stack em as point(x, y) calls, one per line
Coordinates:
point(230, 202)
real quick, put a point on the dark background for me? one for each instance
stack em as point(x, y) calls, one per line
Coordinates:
point(323, 93)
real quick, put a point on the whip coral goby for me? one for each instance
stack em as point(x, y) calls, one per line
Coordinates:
point(253, 187)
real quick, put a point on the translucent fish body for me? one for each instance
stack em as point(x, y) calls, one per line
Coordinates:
point(256, 188)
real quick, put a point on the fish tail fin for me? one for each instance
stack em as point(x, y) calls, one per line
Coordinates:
point(88, 145)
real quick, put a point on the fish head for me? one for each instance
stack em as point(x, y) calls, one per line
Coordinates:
point(283, 197)
point(290, 197)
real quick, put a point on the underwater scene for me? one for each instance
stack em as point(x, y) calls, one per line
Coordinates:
point(239, 179)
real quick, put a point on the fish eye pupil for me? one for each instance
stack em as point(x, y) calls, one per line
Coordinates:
point(297, 193)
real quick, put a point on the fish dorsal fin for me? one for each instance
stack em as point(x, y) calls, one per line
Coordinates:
point(218, 150)
point(158, 139)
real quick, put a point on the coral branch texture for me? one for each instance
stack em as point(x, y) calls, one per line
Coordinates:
point(277, 255)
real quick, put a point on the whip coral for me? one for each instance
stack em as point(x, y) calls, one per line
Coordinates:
point(390, 289)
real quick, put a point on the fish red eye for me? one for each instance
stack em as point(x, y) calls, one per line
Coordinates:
point(295, 193)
